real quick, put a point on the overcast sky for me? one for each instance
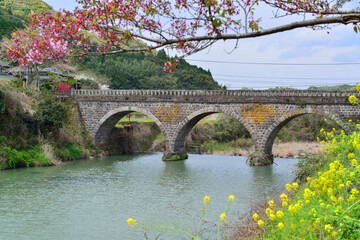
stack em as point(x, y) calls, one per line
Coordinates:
point(303, 48)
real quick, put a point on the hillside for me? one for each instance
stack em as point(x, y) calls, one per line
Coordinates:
point(145, 71)
point(15, 14)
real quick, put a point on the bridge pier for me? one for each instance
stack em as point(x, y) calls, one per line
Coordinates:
point(169, 156)
point(260, 158)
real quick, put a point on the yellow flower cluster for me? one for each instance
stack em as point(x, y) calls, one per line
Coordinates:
point(329, 203)
point(284, 199)
point(231, 198)
point(291, 188)
point(352, 99)
point(132, 222)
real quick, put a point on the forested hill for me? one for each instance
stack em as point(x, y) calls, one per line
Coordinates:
point(145, 71)
point(15, 14)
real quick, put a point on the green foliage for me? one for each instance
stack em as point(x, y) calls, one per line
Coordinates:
point(223, 134)
point(229, 129)
point(51, 115)
point(211, 146)
point(304, 128)
point(145, 71)
point(343, 87)
point(68, 154)
point(12, 158)
point(14, 13)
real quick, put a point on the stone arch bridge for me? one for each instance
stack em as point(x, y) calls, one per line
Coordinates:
point(176, 112)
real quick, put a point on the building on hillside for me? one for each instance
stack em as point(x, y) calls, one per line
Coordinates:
point(4, 67)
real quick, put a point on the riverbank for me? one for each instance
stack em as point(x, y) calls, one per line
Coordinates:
point(37, 129)
point(280, 150)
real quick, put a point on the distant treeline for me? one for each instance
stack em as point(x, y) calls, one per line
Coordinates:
point(145, 71)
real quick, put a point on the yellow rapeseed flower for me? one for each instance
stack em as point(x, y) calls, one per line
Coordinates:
point(255, 216)
point(328, 227)
point(260, 223)
point(222, 217)
point(351, 156)
point(272, 217)
point(206, 199)
point(288, 187)
point(269, 211)
point(271, 203)
point(358, 87)
point(231, 198)
point(279, 214)
point(354, 162)
point(281, 225)
point(354, 191)
point(352, 99)
point(132, 222)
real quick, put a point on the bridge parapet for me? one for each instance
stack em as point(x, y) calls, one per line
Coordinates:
point(301, 97)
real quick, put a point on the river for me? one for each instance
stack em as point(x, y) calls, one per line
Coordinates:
point(92, 199)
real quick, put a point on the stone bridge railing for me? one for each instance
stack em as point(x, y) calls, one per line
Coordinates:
point(219, 96)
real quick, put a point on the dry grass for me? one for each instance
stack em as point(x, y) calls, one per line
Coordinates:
point(280, 150)
point(48, 150)
point(15, 98)
point(295, 149)
point(247, 228)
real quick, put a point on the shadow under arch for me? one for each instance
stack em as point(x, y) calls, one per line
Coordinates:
point(273, 131)
point(109, 120)
point(191, 120)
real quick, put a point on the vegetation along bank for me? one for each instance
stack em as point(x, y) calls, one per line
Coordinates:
point(37, 129)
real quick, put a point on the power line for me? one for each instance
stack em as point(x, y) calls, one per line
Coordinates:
point(276, 64)
point(295, 78)
point(282, 82)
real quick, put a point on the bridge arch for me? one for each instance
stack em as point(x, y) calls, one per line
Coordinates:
point(266, 144)
point(108, 121)
point(184, 127)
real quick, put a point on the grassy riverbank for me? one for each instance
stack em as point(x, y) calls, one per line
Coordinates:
point(36, 129)
point(323, 203)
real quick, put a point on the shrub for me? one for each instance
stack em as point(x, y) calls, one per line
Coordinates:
point(13, 158)
point(51, 115)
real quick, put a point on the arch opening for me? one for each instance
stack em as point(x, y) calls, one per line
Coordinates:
point(298, 134)
point(211, 132)
point(128, 130)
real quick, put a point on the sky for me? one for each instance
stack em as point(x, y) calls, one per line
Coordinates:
point(298, 58)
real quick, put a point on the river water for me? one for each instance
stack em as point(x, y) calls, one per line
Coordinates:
point(92, 199)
